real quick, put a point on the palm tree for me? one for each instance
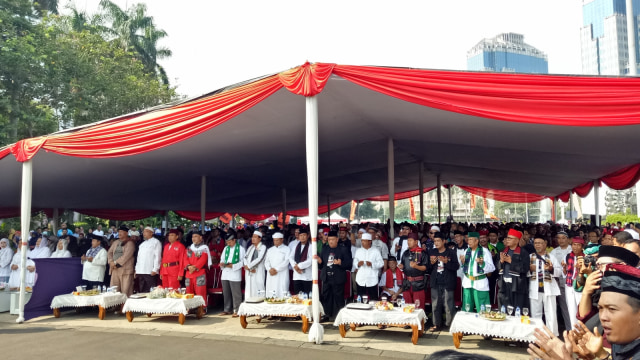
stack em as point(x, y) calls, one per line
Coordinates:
point(42, 6)
point(134, 30)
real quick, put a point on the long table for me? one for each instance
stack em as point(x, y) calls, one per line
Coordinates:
point(511, 328)
point(102, 301)
point(164, 306)
point(265, 309)
point(395, 317)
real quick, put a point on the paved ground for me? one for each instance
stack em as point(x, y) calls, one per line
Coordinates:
point(162, 336)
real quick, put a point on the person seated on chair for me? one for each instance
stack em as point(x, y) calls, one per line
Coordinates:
point(391, 280)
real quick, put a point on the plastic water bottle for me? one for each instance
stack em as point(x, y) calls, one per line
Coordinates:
point(359, 299)
point(482, 308)
point(503, 310)
point(518, 312)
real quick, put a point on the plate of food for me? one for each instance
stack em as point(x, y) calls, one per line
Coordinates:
point(494, 316)
point(409, 308)
point(274, 300)
point(384, 306)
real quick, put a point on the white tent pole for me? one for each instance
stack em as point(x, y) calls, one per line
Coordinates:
point(596, 197)
point(203, 200)
point(284, 208)
point(450, 206)
point(440, 198)
point(25, 222)
point(391, 183)
point(316, 332)
point(421, 185)
point(571, 208)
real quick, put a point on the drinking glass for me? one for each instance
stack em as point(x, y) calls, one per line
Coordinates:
point(384, 299)
point(401, 301)
point(365, 299)
point(525, 311)
point(488, 307)
point(510, 310)
point(287, 294)
point(467, 307)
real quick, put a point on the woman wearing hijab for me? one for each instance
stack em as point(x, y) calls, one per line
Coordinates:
point(94, 263)
point(41, 250)
point(61, 249)
point(14, 277)
point(6, 254)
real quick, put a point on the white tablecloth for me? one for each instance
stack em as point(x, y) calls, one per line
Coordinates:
point(378, 317)
point(511, 328)
point(105, 300)
point(163, 306)
point(266, 309)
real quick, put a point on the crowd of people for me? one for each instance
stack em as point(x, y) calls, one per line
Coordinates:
point(572, 277)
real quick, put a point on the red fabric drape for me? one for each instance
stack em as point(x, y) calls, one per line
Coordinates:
point(399, 196)
point(153, 130)
point(255, 217)
point(308, 79)
point(321, 209)
point(564, 197)
point(624, 178)
point(110, 214)
point(535, 99)
point(503, 195)
point(584, 189)
point(195, 215)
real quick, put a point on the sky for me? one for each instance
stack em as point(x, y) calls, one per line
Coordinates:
point(216, 43)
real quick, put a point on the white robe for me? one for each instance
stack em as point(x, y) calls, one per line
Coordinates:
point(489, 267)
point(305, 266)
point(368, 275)
point(277, 258)
point(14, 279)
point(254, 281)
point(6, 255)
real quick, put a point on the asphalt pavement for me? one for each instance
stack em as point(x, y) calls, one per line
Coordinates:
point(75, 333)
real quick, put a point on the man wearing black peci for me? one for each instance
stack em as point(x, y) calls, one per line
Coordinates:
point(334, 261)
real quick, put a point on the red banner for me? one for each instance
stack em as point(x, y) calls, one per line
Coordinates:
point(352, 213)
point(412, 210)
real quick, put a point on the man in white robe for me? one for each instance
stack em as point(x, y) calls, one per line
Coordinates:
point(276, 264)
point(544, 270)
point(368, 261)
point(254, 267)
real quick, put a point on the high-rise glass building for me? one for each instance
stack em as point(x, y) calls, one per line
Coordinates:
point(603, 36)
point(507, 53)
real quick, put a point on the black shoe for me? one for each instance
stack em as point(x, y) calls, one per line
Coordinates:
point(324, 319)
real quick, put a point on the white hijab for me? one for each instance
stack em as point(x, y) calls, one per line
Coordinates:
point(41, 251)
point(7, 252)
point(64, 253)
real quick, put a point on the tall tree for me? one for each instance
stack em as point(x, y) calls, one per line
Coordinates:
point(133, 29)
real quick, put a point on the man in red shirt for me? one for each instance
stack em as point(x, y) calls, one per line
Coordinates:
point(172, 266)
point(196, 263)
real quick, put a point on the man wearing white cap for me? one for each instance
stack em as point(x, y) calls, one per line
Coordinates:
point(276, 264)
point(368, 262)
point(254, 266)
point(148, 262)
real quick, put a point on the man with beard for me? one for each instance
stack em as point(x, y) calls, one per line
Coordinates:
point(254, 266)
point(172, 268)
point(495, 257)
point(560, 254)
point(197, 261)
point(476, 262)
point(367, 263)
point(276, 264)
point(460, 246)
point(300, 260)
point(514, 264)
point(400, 244)
point(543, 288)
point(334, 262)
point(414, 264)
point(121, 261)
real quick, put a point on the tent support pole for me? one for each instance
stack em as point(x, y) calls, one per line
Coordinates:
point(25, 222)
point(571, 208)
point(329, 210)
point(450, 207)
point(54, 225)
point(596, 197)
point(440, 198)
point(631, 35)
point(284, 208)
point(166, 223)
point(553, 209)
point(391, 183)
point(203, 201)
point(421, 185)
point(316, 332)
